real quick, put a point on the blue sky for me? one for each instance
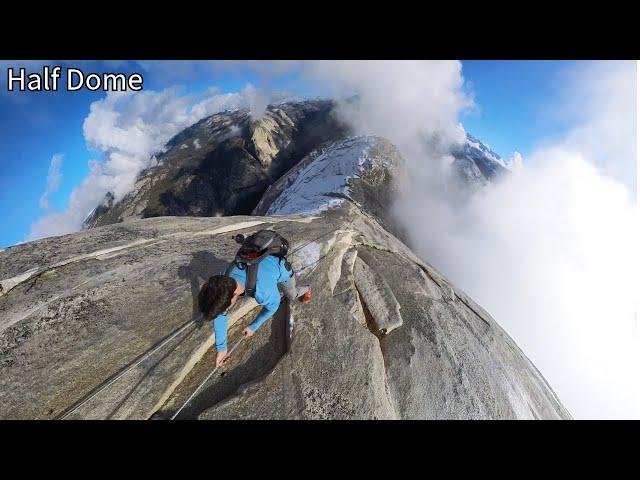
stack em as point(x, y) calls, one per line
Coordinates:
point(511, 99)
point(509, 96)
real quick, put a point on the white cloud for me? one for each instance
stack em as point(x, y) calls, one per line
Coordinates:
point(551, 250)
point(405, 101)
point(514, 162)
point(258, 101)
point(599, 101)
point(54, 179)
point(127, 129)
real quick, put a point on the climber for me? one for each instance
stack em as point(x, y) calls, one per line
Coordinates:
point(260, 267)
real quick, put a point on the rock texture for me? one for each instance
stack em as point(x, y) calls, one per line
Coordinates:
point(364, 170)
point(223, 164)
point(77, 310)
point(476, 164)
point(103, 324)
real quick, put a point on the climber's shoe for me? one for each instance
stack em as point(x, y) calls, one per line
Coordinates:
point(306, 298)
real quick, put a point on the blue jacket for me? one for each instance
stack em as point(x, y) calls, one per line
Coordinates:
point(271, 271)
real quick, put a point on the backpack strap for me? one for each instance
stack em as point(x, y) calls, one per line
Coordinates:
point(252, 277)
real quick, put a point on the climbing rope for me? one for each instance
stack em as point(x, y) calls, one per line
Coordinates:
point(312, 264)
point(181, 329)
point(127, 369)
point(345, 224)
point(323, 235)
point(205, 381)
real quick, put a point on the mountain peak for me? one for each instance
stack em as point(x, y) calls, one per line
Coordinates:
point(105, 323)
point(224, 163)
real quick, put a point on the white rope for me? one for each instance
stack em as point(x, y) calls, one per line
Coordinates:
point(164, 342)
point(204, 382)
point(145, 356)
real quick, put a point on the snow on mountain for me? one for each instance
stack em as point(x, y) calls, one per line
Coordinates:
point(477, 163)
point(223, 164)
point(474, 144)
point(514, 162)
point(325, 178)
point(320, 184)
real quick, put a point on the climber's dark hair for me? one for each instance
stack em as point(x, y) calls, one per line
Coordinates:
point(215, 295)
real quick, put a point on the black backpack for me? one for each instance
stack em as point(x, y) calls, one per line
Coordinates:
point(253, 250)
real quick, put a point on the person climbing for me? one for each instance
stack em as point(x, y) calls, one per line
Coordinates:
point(259, 270)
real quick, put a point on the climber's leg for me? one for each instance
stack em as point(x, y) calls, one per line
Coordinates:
point(291, 291)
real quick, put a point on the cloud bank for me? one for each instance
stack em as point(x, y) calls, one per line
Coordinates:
point(127, 130)
point(54, 179)
point(598, 100)
point(551, 250)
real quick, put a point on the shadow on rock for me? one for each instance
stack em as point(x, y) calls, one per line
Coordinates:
point(203, 265)
point(253, 360)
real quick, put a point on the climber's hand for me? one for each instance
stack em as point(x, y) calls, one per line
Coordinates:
point(221, 358)
point(247, 332)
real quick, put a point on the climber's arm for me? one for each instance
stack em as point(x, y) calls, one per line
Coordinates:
point(220, 331)
point(268, 310)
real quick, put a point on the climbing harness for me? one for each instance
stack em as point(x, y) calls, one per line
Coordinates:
point(205, 381)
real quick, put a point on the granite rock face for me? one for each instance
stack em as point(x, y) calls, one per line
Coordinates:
point(476, 164)
point(367, 171)
point(103, 324)
point(386, 335)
